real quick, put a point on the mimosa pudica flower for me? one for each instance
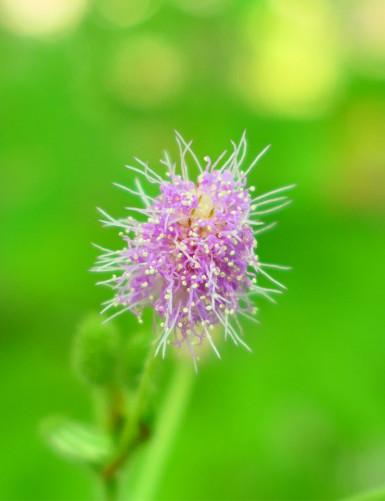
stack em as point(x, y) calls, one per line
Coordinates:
point(192, 259)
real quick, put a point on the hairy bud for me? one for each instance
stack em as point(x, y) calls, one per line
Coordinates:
point(96, 348)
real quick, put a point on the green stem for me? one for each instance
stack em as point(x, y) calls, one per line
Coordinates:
point(130, 430)
point(110, 489)
point(165, 429)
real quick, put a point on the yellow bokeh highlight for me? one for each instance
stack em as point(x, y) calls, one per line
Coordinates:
point(365, 37)
point(41, 17)
point(291, 63)
point(146, 71)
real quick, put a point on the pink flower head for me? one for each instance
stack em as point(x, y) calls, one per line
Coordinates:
point(193, 258)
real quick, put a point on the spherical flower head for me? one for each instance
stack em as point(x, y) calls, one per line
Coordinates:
point(193, 259)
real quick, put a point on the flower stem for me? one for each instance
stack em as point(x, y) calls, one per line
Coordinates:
point(131, 429)
point(110, 489)
point(165, 429)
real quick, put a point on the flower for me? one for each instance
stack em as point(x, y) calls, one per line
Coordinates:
point(193, 258)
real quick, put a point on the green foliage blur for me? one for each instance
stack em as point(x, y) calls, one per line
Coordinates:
point(86, 85)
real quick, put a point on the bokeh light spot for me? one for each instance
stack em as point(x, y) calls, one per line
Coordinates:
point(145, 72)
point(292, 65)
point(365, 30)
point(42, 17)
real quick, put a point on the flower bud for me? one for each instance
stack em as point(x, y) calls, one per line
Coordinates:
point(96, 348)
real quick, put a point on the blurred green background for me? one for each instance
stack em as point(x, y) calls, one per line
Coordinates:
point(85, 85)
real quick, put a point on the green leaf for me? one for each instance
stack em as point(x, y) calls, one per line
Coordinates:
point(77, 441)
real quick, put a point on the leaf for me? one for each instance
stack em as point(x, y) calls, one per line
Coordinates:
point(77, 441)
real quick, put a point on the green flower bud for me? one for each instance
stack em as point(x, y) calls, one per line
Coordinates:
point(96, 349)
